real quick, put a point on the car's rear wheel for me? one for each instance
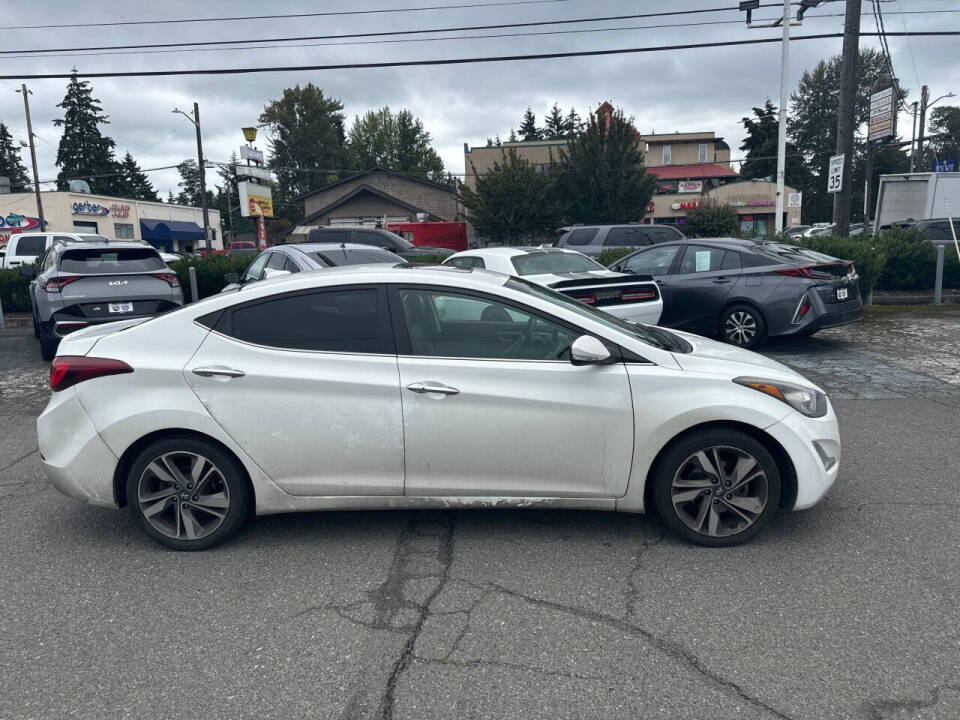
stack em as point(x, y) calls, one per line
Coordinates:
point(743, 325)
point(716, 487)
point(187, 493)
point(48, 344)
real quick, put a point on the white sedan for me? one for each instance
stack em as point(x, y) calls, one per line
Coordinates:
point(425, 387)
point(634, 298)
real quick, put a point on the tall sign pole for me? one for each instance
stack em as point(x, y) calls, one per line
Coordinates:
point(33, 157)
point(846, 113)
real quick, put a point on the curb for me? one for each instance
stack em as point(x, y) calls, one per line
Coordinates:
point(17, 322)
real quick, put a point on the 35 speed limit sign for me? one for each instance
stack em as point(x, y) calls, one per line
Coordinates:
point(835, 175)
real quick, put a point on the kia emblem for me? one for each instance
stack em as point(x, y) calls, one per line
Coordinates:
point(117, 282)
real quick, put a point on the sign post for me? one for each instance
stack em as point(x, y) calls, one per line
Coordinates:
point(835, 174)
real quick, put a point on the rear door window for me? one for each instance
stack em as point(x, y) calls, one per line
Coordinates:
point(624, 237)
point(699, 258)
point(375, 239)
point(343, 320)
point(580, 236)
point(106, 261)
point(31, 246)
point(661, 234)
point(277, 261)
point(655, 261)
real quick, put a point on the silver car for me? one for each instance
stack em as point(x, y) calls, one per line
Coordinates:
point(89, 283)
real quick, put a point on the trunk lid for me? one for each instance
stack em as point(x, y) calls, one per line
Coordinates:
point(604, 288)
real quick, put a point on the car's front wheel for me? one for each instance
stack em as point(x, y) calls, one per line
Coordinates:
point(187, 493)
point(716, 487)
point(743, 325)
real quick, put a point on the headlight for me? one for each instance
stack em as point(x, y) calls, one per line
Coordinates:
point(808, 401)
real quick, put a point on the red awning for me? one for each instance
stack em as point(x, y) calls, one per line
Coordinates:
point(692, 172)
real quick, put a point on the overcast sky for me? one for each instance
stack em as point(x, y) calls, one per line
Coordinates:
point(682, 90)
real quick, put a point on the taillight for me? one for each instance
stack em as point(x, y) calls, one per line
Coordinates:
point(67, 370)
point(587, 298)
point(170, 278)
point(55, 284)
point(639, 295)
point(805, 307)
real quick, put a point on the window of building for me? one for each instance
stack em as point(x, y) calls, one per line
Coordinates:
point(667, 155)
point(333, 321)
point(542, 168)
point(123, 231)
point(702, 153)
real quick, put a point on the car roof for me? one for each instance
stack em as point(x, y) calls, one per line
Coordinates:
point(738, 242)
point(321, 247)
point(514, 251)
point(112, 245)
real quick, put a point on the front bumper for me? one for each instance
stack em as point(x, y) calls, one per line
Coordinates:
point(74, 456)
point(813, 445)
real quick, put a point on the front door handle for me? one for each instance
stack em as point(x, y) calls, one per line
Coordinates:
point(432, 387)
point(721, 280)
point(218, 371)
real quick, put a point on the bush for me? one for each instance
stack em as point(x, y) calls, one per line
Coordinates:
point(712, 219)
point(912, 262)
point(611, 255)
point(870, 261)
point(210, 272)
point(14, 291)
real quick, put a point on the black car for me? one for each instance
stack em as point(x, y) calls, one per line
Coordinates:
point(378, 238)
point(743, 291)
point(591, 240)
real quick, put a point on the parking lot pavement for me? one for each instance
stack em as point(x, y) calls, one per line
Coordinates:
point(848, 610)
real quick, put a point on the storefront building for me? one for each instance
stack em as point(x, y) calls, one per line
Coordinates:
point(176, 228)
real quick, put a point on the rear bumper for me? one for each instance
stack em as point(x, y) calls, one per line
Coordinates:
point(826, 315)
point(74, 456)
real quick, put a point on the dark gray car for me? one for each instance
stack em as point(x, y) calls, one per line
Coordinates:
point(591, 240)
point(89, 283)
point(743, 291)
point(383, 239)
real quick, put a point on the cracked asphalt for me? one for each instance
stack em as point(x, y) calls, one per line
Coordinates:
point(848, 610)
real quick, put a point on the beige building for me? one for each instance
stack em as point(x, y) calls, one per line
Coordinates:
point(177, 228)
point(365, 199)
point(690, 167)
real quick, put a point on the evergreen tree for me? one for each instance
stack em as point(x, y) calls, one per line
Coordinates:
point(190, 185)
point(10, 164)
point(601, 177)
point(528, 128)
point(513, 136)
point(572, 124)
point(84, 152)
point(171, 198)
point(133, 182)
point(555, 126)
point(944, 120)
point(760, 146)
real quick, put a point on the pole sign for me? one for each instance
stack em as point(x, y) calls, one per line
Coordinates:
point(261, 233)
point(883, 116)
point(945, 165)
point(252, 171)
point(248, 153)
point(835, 174)
point(255, 200)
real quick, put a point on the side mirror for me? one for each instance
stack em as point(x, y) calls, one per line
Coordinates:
point(273, 272)
point(231, 278)
point(587, 350)
point(28, 271)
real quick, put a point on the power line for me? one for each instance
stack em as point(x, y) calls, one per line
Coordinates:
point(287, 16)
point(385, 33)
point(453, 61)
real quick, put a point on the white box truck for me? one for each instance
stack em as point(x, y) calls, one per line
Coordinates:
point(917, 196)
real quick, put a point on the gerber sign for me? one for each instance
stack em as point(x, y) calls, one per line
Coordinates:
point(18, 222)
point(89, 208)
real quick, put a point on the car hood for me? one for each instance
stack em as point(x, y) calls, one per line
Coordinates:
point(717, 358)
point(550, 278)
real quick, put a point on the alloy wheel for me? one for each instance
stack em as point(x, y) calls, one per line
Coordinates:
point(183, 495)
point(740, 327)
point(719, 491)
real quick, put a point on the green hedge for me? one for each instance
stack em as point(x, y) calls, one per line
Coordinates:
point(210, 272)
point(14, 291)
point(869, 261)
point(611, 255)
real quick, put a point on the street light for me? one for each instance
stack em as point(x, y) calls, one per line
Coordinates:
point(249, 134)
point(924, 104)
point(203, 174)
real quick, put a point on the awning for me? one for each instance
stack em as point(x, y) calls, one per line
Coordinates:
point(159, 230)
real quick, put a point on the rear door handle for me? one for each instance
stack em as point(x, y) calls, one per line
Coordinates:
point(218, 371)
point(721, 280)
point(432, 387)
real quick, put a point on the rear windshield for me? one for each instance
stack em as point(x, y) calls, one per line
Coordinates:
point(354, 257)
point(792, 253)
point(90, 261)
point(553, 262)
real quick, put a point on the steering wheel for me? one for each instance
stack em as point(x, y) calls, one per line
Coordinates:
point(525, 335)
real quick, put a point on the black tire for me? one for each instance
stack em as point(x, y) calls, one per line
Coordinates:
point(168, 526)
point(48, 344)
point(36, 325)
point(744, 326)
point(681, 517)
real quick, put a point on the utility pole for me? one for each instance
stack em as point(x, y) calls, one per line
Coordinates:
point(924, 98)
point(33, 156)
point(203, 173)
point(782, 129)
point(913, 138)
point(846, 115)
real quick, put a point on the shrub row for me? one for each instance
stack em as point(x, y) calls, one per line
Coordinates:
point(210, 272)
point(14, 291)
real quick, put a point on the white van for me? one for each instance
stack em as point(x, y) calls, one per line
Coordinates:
point(25, 248)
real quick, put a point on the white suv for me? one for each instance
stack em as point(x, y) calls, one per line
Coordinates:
point(25, 248)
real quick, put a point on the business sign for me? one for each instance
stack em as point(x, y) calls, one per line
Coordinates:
point(752, 202)
point(261, 233)
point(835, 174)
point(19, 223)
point(945, 165)
point(794, 199)
point(252, 171)
point(883, 116)
point(248, 153)
point(120, 211)
point(255, 200)
point(89, 208)
point(690, 186)
point(687, 205)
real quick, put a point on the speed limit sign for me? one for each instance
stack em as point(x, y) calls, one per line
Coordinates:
point(835, 175)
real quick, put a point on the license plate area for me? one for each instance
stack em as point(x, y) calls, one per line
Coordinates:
point(123, 307)
point(843, 294)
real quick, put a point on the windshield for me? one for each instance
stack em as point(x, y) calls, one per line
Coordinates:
point(542, 263)
point(634, 330)
point(90, 261)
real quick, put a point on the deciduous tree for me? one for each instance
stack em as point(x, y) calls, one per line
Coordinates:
point(396, 141)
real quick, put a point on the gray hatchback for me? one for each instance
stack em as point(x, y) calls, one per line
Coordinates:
point(89, 283)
